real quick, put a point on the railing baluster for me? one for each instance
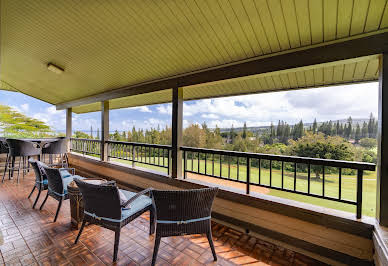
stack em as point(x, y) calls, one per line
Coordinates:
point(282, 174)
point(248, 174)
point(308, 178)
point(220, 165)
point(339, 182)
point(294, 176)
point(199, 171)
point(229, 166)
point(184, 164)
point(192, 161)
point(213, 164)
point(359, 194)
point(238, 168)
point(323, 180)
point(259, 171)
point(205, 163)
point(270, 173)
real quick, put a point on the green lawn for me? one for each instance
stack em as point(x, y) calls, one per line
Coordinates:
point(349, 183)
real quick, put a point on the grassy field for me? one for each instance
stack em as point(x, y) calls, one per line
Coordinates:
point(348, 191)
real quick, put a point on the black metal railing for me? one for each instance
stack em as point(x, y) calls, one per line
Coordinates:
point(143, 153)
point(285, 173)
point(86, 146)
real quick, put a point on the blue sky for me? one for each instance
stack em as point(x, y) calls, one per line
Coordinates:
point(259, 109)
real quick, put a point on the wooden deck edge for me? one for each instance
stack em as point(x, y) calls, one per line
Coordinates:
point(380, 248)
point(317, 252)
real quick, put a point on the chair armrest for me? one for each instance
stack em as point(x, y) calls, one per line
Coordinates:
point(145, 191)
point(68, 169)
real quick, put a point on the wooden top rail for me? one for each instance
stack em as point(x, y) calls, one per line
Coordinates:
point(140, 144)
point(285, 158)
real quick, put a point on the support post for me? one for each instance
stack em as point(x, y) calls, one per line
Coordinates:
point(68, 127)
point(382, 140)
point(104, 130)
point(177, 127)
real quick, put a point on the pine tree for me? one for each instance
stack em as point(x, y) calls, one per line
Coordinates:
point(337, 128)
point(371, 126)
point(357, 134)
point(364, 130)
point(98, 133)
point(315, 126)
point(244, 133)
point(91, 132)
point(232, 135)
point(279, 130)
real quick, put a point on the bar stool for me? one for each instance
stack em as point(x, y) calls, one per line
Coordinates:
point(58, 147)
point(4, 150)
point(23, 150)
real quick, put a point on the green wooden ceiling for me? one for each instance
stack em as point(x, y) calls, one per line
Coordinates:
point(104, 45)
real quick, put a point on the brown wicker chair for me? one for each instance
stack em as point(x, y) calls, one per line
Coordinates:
point(102, 207)
point(183, 212)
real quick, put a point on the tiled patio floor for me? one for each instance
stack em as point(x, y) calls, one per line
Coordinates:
point(30, 238)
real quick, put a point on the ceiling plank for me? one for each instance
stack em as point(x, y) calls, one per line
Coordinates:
point(373, 44)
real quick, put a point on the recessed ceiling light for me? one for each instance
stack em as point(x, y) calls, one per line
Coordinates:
point(54, 68)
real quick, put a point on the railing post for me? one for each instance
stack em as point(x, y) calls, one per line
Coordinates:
point(359, 193)
point(104, 130)
point(382, 144)
point(248, 174)
point(133, 156)
point(68, 127)
point(177, 139)
point(184, 164)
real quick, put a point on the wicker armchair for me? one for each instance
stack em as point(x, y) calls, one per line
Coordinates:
point(58, 179)
point(183, 212)
point(41, 182)
point(58, 147)
point(102, 207)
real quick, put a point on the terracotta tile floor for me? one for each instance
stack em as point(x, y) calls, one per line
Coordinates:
point(31, 238)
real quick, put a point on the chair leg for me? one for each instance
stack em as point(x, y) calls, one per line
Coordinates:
point(5, 168)
point(59, 207)
point(156, 249)
point(152, 222)
point(44, 201)
point(20, 160)
point(116, 247)
point(33, 189)
point(80, 231)
point(210, 239)
point(36, 200)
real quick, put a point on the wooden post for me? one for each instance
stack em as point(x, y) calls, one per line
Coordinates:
point(68, 127)
point(104, 130)
point(382, 137)
point(177, 127)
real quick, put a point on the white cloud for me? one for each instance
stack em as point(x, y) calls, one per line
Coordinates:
point(210, 116)
point(143, 109)
point(165, 109)
point(262, 109)
point(25, 107)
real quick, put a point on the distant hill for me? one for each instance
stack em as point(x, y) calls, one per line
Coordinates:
point(306, 125)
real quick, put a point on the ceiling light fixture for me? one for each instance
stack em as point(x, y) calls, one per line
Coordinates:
point(54, 68)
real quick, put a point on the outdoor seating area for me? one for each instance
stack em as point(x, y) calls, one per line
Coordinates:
point(31, 237)
point(140, 190)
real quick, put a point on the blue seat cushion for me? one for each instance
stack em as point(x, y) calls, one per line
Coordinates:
point(64, 173)
point(140, 203)
point(67, 180)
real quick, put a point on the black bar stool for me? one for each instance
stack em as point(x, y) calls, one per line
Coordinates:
point(58, 147)
point(4, 150)
point(23, 150)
